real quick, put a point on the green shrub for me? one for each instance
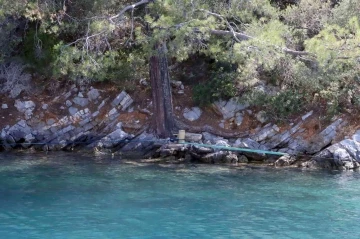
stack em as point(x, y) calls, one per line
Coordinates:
point(280, 106)
point(219, 86)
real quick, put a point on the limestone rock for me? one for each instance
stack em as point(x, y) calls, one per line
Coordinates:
point(307, 115)
point(191, 137)
point(239, 118)
point(247, 143)
point(285, 160)
point(201, 150)
point(177, 84)
point(222, 143)
point(325, 137)
point(261, 117)
point(243, 159)
point(333, 157)
point(192, 114)
point(267, 132)
point(123, 100)
point(68, 103)
point(93, 94)
point(208, 137)
point(216, 157)
point(231, 158)
point(143, 82)
point(19, 131)
point(4, 106)
point(229, 108)
point(50, 121)
point(142, 143)
point(23, 106)
point(112, 139)
point(73, 110)
point(81, 101)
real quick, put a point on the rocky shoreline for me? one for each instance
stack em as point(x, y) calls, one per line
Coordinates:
point(90, 121)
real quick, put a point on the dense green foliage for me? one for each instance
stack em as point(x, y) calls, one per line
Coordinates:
point(307, 49)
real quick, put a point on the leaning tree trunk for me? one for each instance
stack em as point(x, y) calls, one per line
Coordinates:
point(161, 92)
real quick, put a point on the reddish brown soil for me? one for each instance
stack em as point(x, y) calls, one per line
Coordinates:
point(142, 98)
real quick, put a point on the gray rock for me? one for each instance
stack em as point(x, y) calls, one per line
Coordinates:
point(352, 147)
point(44, 106)
point(307, 115)
point(118, 99)
point(67, 95)
point(229, 108)
point(325, 137)
point(126, 102)
point(216, 157)
point(68, 103)
point(50, 121)
point(247, 143)
point(243, 159)
point(192, 114)
point(261, 117)
point(81, 101)
point(298, 145)
point(29, 104)
point(267, 132)
point(212, 138)
point(24, 106)
point(201, 150)
point(191, 137)
point(143, 82)
point(17, 135)
point(285, 160)
point(93, 94)
point(80, 94)
point(231, 158)
point(96, 113)
point(66, 129)
point(112, 111)
point(333, 157)
point(239, 118)
point(356, 136)
point(73, 111)
point(176, 84)
point(283, 138)
point(20, 106)
point(123, 101)
point(84, 121)
point(222, 143)
point(112, 139)
point(4, 106)
point(141, 144)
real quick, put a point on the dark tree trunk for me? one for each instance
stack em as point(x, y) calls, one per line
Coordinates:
point(161, 92)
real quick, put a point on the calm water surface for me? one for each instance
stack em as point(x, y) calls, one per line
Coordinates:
point(74, 196)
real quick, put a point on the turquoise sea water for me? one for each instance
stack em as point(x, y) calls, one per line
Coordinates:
point(73, 196)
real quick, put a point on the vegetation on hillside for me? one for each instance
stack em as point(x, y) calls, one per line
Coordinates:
point(308, 51)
